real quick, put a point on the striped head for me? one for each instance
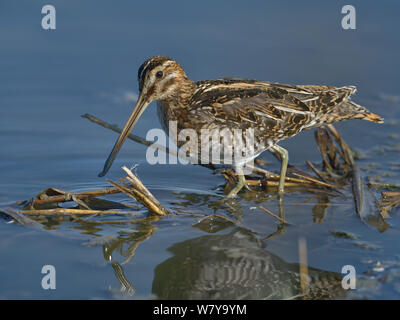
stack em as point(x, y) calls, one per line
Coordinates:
point(160, 78)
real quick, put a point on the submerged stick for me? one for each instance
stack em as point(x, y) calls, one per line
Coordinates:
point(273, 214)
point(20, 218)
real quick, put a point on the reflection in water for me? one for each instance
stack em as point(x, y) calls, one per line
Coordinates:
point(233, 208)
point(319, 210)
point(126, 245)
point(214, 203)
point(222, 265)
point(235, 266)
point(126, 286)
point(230, 266)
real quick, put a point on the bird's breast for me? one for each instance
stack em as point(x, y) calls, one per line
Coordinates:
point(162, 109)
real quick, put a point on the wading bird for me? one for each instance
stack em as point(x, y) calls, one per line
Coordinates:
point(275, 111)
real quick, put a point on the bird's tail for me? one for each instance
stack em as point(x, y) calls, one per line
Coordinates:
point(355, 111)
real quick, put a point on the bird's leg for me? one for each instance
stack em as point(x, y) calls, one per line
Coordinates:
point(240, 184)
point(285, 158)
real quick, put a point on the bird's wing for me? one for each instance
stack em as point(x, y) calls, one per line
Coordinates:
point(274, 106)
point(319, 99)
point(270, 109)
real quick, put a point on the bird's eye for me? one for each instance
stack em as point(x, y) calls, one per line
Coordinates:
point(159, 74)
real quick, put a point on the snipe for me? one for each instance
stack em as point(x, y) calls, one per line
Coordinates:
point(274, 111)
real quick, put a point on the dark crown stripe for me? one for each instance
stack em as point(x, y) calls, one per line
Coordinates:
point(149, 65)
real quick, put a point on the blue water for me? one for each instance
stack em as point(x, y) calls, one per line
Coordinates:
point(49, 78)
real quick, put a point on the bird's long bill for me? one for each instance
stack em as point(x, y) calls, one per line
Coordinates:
point(140, 106)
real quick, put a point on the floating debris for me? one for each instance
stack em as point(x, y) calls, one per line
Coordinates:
point(366, 246)
point(343, 234)
point(378, 267)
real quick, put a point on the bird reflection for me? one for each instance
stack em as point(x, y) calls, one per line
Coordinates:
point(228, 263)
point(236, 266)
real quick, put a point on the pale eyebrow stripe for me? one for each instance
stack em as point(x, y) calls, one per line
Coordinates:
point(168, 77)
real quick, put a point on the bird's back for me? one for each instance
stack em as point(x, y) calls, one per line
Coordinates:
point(325, 104)
point(283, 110)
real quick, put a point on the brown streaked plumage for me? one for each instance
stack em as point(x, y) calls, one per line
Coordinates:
point(275, 111)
